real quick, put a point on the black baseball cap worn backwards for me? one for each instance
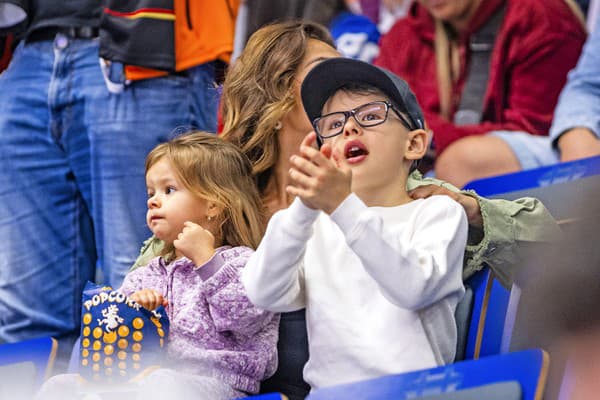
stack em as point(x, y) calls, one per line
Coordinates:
point(332, 74)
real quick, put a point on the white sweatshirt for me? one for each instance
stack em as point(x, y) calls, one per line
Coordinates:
point(380, 284)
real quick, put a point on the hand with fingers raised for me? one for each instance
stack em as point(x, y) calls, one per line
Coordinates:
point(318, 178)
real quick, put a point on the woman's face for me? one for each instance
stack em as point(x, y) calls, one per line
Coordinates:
point(455, 12)
point(316, 51)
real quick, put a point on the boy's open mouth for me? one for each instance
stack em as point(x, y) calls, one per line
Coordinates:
point(354, 149)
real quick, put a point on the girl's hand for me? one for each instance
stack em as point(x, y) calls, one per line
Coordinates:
point(150, 299)
point(317, 178)
point(196, 243)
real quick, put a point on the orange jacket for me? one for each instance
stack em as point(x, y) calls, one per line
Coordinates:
point(203, 32)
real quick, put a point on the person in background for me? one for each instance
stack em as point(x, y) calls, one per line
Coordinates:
point(203, 203)
point(575, 130)
point(357, 29)
point(263, 12)
point(574, 133)
point(356, 36)
point(74, 131)
point(487, 74)
point(382, 13)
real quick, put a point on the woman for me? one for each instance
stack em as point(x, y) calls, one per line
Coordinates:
point(487, 75)
point(263, 114)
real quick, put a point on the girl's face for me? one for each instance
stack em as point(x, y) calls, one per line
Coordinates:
point(170, 204)
point(316, 51)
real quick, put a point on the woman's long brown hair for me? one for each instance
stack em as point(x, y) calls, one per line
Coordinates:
point(258, 90)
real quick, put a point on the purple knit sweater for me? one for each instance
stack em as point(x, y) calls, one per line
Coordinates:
point(214, 329)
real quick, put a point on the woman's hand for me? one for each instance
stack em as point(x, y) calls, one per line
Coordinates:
point(317, 178)
point(150, 299)
point(196, 243)
point(470, 204)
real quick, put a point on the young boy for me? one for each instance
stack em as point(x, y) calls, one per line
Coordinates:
point(378, 273)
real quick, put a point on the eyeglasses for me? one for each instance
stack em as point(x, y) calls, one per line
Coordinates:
point(367, 115)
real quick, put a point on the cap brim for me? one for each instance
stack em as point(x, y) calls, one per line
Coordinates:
point(330, 75)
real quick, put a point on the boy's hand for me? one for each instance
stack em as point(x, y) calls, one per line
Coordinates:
point(318, 178)
point(196, 243)
point(150, 299)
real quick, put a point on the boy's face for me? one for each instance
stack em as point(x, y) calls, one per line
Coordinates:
point(376, 154)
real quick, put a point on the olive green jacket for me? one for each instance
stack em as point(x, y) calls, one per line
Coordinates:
point(509, 228)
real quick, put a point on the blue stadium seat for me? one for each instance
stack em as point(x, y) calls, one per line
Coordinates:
point(485, 377)
point(268, 396)
point(536, 178)
point(73, 367)
point(490, 304)
point(34, 355)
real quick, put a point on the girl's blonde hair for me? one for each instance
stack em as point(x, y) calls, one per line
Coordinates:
point(216, 171)
point(259, 90)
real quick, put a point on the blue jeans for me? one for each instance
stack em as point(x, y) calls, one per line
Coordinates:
point(72, 187)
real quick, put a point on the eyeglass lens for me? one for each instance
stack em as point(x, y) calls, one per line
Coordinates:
point(369, 114)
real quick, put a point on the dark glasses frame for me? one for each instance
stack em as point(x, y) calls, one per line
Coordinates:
point(348, 114)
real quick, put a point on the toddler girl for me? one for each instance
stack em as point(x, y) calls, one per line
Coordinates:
point(204, 205)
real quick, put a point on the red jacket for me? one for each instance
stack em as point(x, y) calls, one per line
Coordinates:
point(537, 44)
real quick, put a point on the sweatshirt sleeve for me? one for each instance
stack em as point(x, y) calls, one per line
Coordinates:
point(230, 308)
point(413, 270)
point(273, 277)
point(134, 281)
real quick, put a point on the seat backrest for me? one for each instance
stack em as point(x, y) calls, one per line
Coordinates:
point(529, 368)
point(41, 352)
point(17, 380)
point(486, 327)
point(462, 316)
point(293, 354)
point(509, 390)
point(74, 360)
point(537, 178)
point(267, 396)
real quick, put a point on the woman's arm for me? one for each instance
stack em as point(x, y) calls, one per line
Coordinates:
point(576, 125)
point(499, 230)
